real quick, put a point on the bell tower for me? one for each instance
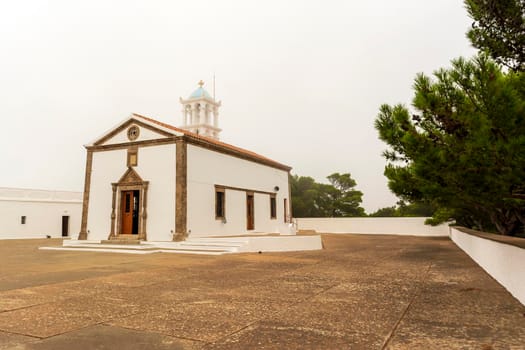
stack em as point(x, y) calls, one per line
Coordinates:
point(200, 113)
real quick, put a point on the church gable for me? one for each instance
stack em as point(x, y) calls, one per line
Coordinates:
point(133, 129)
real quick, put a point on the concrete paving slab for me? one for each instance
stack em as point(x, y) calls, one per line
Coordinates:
point(104, 337)
point(361, 292)
point(10, 341)
point(205, 320)
point(46, 320)
point(272, 335)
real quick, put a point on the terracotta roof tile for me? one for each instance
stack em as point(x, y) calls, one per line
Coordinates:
point(215, 142)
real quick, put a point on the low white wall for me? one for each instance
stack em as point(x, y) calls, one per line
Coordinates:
point(504, 262)
point(391, 226)
point(282, 244)
point(43, 211)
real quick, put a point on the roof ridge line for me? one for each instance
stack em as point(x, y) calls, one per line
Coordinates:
point(212, 141)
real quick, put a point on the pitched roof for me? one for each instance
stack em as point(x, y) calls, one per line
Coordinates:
point(212, 141)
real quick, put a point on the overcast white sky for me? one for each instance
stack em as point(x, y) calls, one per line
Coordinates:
point(300, 81)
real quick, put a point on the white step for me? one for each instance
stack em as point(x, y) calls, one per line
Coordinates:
point(210, 244)
point(199, 246)
point(204, 245)
point(134, 251)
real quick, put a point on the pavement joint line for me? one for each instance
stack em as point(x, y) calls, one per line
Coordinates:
point(103, 322)
point(275, 313)
point(25, 335)
point(395, 279)
point(417, 293)
point(69, 331)
point(297, 302)
point(232, 333)
point(28, 306)
point(156, 332)
point(72, 330)
point(206, 343)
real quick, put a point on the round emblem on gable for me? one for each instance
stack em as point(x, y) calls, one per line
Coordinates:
point(133, 133)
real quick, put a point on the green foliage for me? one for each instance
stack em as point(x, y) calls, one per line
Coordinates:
point(499, 29)
point(464, 149)
point(416, 209)
point(304, 196)
point(337, 199)
point(385, 212)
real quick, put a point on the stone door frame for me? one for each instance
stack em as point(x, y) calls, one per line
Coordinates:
point(130, 181)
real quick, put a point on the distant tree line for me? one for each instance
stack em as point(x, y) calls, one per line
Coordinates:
point(338, 198)
point(403, 209)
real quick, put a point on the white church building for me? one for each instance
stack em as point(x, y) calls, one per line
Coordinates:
point(150, 181)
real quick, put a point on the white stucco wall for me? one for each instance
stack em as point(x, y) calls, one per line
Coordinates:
point(397, 226)
point(282, 243)
point(156, 164)
point(43, 211)
point(209, 168)
point(505, 263)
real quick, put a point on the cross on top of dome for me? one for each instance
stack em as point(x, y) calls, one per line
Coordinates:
point(200, 92)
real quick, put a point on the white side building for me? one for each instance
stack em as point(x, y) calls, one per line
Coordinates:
point(147, 180)
point(30, 213)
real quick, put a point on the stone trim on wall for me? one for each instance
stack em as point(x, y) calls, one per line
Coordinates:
point(85, 202)
point(244, 189)
point(290, 211)
point(126, 145)
point(191, 140)
point(114, 187)
point(181, 190)
point(144, 214)
point(130, 181)
point(510, 240)
point(170, 138)
point(125, 126)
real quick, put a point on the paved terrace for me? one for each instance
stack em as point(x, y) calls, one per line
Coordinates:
point(361, 292)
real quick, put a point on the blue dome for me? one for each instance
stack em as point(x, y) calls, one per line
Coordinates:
point(200, 92)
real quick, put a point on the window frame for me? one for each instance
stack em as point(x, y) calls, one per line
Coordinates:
point(273, 207)
point(222, 199)
point(133, 133)
point(285, 210)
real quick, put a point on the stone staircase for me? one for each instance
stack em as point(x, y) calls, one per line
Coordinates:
point(208, 246)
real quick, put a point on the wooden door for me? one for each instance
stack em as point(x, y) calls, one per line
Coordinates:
point(249, 212)
point(126, 212)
